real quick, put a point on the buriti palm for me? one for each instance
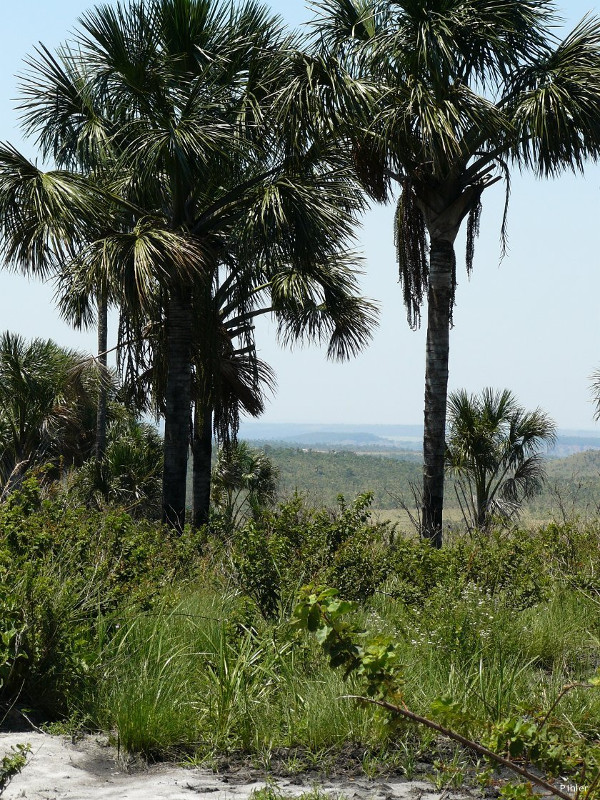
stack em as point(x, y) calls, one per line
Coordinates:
point(447, 96)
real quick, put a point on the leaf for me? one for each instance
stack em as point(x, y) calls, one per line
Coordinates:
point(314, 618)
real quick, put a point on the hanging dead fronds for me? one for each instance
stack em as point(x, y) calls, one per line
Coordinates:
point(411, 249)
point(369, 164)
point(504, 228)
point(473, 224)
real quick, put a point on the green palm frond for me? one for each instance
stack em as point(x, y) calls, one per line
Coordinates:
point(59, 108)
point(44, 216)
point(323, 309)
point(47, 404)
point(140, 262)
point(494, 446)
point(243, 481)
point(341, 23)
point(555, 105)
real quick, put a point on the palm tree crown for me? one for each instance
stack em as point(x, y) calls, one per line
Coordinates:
point(190, 185)
point(494, 448)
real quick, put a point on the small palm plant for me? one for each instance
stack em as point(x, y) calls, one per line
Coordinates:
point(47, 406)
point(129, 473)
point(243, 482)
point(493, 449)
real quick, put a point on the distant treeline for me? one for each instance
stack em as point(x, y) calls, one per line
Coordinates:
point(572, 486)
point(323, 475)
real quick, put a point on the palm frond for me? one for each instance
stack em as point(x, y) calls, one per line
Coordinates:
point(495, 445)
point(44, 216)
point(555, 105)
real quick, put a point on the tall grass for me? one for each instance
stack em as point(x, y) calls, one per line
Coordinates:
point(497, 626)
point(192, 676)
point(189, 677)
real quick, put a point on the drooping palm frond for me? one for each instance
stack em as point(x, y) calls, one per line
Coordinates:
point(410, 238)
point(44, 216)
point(555, 104)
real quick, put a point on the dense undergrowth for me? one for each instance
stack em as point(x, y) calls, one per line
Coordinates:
point(184, 644)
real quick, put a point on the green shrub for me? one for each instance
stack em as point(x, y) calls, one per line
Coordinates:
point(65, 575)
point(275, 554)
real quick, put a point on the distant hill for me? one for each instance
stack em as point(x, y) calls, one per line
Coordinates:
point(568, 444)
point(379, 438)
point(579, 464)
point(332, 433)
point(344, 438)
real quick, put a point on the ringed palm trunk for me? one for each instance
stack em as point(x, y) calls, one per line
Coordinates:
point(101, 411)
point(202, 453)
point(177, 409)
point(439, 308)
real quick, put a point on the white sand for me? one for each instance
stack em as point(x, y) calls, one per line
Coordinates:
point(58, 769)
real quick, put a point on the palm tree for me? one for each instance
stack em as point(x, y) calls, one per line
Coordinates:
point(202, 172)
point(494, 449)
point(47, 407)
point(244, 480)
point(456, 92)
point(129, 474)
point(320, 304)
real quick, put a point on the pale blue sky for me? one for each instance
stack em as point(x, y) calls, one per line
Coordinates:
point(530, 324)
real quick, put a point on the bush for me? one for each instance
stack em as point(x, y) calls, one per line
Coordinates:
point(275, 554)
point(65, 576)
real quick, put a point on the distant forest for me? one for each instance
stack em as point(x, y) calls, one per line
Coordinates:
point(572, 486)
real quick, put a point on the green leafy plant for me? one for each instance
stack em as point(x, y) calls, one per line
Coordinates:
point(280, 550)
point(12, 763)
point(66, 574)
point(375, 661)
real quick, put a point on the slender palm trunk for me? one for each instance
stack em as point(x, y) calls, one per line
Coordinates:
point(177, 410)
point(202, 452)
point(439, 307)
point(102, 407)
point(481, 502)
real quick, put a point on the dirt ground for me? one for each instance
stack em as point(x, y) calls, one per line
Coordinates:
point(89, 769)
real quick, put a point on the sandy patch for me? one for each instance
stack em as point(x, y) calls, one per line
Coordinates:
point(58, 769)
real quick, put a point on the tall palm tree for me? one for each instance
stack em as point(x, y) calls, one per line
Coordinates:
point(494, 449)
point(202, 170)
point(456, 92)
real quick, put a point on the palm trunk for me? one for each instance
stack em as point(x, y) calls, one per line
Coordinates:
point(482, 489)
point(102, 407)
point(202, 452)
point(177, 410)
point(439, 301)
